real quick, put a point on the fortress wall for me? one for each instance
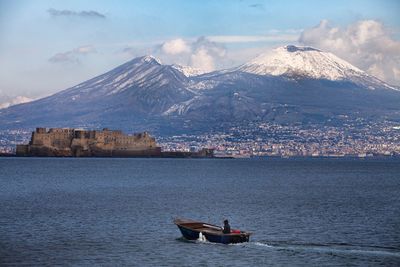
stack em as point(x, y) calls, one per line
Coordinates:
point(55, 137)
point(71, 142)
point(22, 150)
point(135, 142)
point(41, 139)
point(80, 143)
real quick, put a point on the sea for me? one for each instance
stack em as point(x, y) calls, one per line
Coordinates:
point(120, 212)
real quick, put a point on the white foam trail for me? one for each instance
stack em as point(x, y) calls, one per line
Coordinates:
point(333, 249)
point(262, 244)
point(202, 238)
point(361, 251)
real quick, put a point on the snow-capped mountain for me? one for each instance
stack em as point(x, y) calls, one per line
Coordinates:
point(309, 62)
point(140, 72)
point(144, 81)
point(302, 61)
point(289, 85)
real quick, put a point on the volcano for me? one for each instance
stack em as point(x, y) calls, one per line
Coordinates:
point(290, 84)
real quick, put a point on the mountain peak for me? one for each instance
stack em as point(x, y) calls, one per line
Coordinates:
point(302, 61)
point(148, 59)
point(293, 48)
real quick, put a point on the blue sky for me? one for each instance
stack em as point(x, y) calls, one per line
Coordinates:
point(47, 46)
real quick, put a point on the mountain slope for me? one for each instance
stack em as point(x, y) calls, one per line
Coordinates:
point(142, 79)
point(133, 91)
point(242, 96)
point(290, 85)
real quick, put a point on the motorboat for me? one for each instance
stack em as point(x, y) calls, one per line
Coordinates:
point(195, 230)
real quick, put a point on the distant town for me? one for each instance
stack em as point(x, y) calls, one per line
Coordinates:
point(356, 138)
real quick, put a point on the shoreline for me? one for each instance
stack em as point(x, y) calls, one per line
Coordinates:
point(11, 155)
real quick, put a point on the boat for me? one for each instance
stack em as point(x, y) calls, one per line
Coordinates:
point(195, 230)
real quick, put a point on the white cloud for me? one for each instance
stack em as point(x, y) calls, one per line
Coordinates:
point(209, 52)
point(72, 55)
point(200, 53)
point(396, 72)
point(202, 60)
point(367, 44)
point(15, 101)
point(85, 49)
point(70, 13)
point(176, 46)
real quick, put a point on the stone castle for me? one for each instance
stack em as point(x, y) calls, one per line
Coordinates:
point(64, 142)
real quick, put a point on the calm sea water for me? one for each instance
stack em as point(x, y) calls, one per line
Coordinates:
point(113, 212)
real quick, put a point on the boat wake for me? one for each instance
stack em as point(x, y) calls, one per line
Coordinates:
point(202, 238)
point(332, 248)
point(323, 248)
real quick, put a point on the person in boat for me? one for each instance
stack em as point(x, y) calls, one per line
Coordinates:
point(227, 228)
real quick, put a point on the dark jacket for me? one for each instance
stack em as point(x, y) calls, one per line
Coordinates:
point(227, 228)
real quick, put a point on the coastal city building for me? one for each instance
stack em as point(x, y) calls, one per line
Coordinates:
point(356, 139)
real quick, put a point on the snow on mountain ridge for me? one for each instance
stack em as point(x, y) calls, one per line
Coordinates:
point(304, 61)
point(149, 59)
point(188, 71)
point(139, 72)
